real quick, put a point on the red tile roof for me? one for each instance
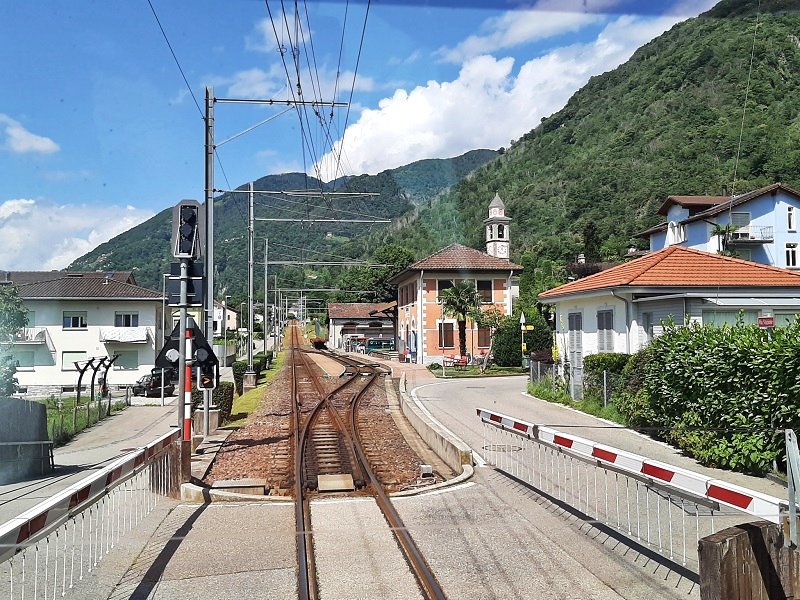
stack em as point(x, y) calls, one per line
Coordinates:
point(353, 310)
point(676, 266)
point(457, 257)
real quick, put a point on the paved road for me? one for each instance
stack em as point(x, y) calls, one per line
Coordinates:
point(89, 451)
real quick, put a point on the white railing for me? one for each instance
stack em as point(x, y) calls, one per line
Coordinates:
point(46, 551)
point(661, 506)
point(756, 233)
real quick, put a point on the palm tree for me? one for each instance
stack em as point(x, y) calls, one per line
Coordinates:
point(459, 302)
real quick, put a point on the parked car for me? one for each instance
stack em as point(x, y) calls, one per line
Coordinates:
point(150, 385)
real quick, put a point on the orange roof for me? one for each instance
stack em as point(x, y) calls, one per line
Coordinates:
point(676, 266)
point(353, 310)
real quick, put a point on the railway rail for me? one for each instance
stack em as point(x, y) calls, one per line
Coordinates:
point(327, 434)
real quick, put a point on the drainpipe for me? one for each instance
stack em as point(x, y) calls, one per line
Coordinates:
point(510, 307)
point(627, 321)
point(420, 324)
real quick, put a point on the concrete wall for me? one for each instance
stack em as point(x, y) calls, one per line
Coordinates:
point(451, 450)
point(23, 421)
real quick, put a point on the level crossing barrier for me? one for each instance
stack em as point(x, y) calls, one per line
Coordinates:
point(47, 550)
point(661, 506)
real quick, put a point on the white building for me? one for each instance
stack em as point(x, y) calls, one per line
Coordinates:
point(621, 309)
point(75, 317)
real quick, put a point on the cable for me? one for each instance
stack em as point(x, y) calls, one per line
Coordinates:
point(166, 39)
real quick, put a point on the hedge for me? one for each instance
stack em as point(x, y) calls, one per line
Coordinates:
point(222, 397)
point(722, 394)
point(593, 366)
point(239, 369)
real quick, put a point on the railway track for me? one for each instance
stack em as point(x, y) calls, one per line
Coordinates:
point(328, 448)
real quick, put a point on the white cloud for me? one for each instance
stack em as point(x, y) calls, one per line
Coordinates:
point(21, 141)
point(43, 235)
point(488, 104)
point(519, 27)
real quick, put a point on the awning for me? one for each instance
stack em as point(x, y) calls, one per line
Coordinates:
point(755, 302)
point(125, 335)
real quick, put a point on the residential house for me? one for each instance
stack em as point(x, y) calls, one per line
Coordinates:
point(762, 225)
point(73, 317)
point(352, 324)
point(622, 308)
point(227, 315)
point(424, 334)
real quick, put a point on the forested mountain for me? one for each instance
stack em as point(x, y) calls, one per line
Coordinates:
point(666, 122)
point(585, 179)
point(146, 247)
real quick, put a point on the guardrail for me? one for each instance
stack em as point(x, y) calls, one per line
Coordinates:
point(665, 507)
point(48, 549)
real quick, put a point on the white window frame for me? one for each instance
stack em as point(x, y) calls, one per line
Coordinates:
point(81, 317)
point(67, 364)
point(118, 366)
point(791, 220)
point(605, 336)
point(441, 337)
point(791, 255)
point(122, 316)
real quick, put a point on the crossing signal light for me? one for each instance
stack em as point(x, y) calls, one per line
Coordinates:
point(187, 229)
point(207, 378)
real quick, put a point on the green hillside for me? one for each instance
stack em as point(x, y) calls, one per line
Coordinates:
point(666, 122)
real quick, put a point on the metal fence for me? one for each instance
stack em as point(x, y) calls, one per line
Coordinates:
point(659, 506)
point(538, 370)
point(48, 550)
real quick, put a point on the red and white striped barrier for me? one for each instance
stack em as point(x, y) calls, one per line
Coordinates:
point(46, 516)
point(669, 476)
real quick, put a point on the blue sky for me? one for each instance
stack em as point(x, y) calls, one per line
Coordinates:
point(98, 130)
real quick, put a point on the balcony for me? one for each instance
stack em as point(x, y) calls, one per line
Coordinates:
point(33, 336)
point(752, 234)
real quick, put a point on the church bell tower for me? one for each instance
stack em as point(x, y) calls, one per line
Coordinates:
point(498, 242)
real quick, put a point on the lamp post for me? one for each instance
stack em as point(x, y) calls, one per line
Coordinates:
point(241, 312)
point(225, 330)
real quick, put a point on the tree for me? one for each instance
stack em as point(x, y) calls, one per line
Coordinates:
point(13, 317)
point(491, 318)
point(460, 302)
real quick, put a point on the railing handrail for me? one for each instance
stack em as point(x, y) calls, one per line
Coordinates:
point(39, 521)
point(666, 475)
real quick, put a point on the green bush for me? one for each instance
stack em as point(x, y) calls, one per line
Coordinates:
point(721, 394)
point(593, 367)
point(221, 397)
point(239, 369)
point(507, 347)
point(541, 337)
point(434, 366)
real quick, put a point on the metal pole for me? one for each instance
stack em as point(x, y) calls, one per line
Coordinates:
point(209, 254)
point(182, 383)
point(275, 325)
point(250, 252)
point(266, 309)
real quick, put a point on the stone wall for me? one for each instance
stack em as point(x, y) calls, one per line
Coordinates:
point(23, 422)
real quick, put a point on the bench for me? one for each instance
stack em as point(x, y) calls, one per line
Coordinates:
point(459, 363)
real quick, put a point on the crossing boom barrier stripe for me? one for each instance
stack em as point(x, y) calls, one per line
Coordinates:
point(666, 475)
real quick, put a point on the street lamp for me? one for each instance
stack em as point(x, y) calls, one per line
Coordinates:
point(225, 330)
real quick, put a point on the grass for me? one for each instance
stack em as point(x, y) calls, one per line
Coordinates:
point(245, 404)
point(63, 423)
point(546, 389)
point(475, 371)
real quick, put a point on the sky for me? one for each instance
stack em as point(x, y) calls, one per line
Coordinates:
point(102, 119)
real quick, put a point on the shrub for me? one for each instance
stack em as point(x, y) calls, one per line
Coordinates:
point(239, 369)
point(593, 367)
point(221, 397)
point(507, 348)
point(434, 366)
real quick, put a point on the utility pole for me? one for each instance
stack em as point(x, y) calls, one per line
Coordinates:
point(209, 256)
point(266, 305)
point(250, 374)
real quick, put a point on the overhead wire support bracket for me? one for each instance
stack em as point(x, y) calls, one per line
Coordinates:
point(302, 193)
point(280, 220)
point(279, 102)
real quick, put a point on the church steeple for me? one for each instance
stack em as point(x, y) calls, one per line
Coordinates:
point(498, 241)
